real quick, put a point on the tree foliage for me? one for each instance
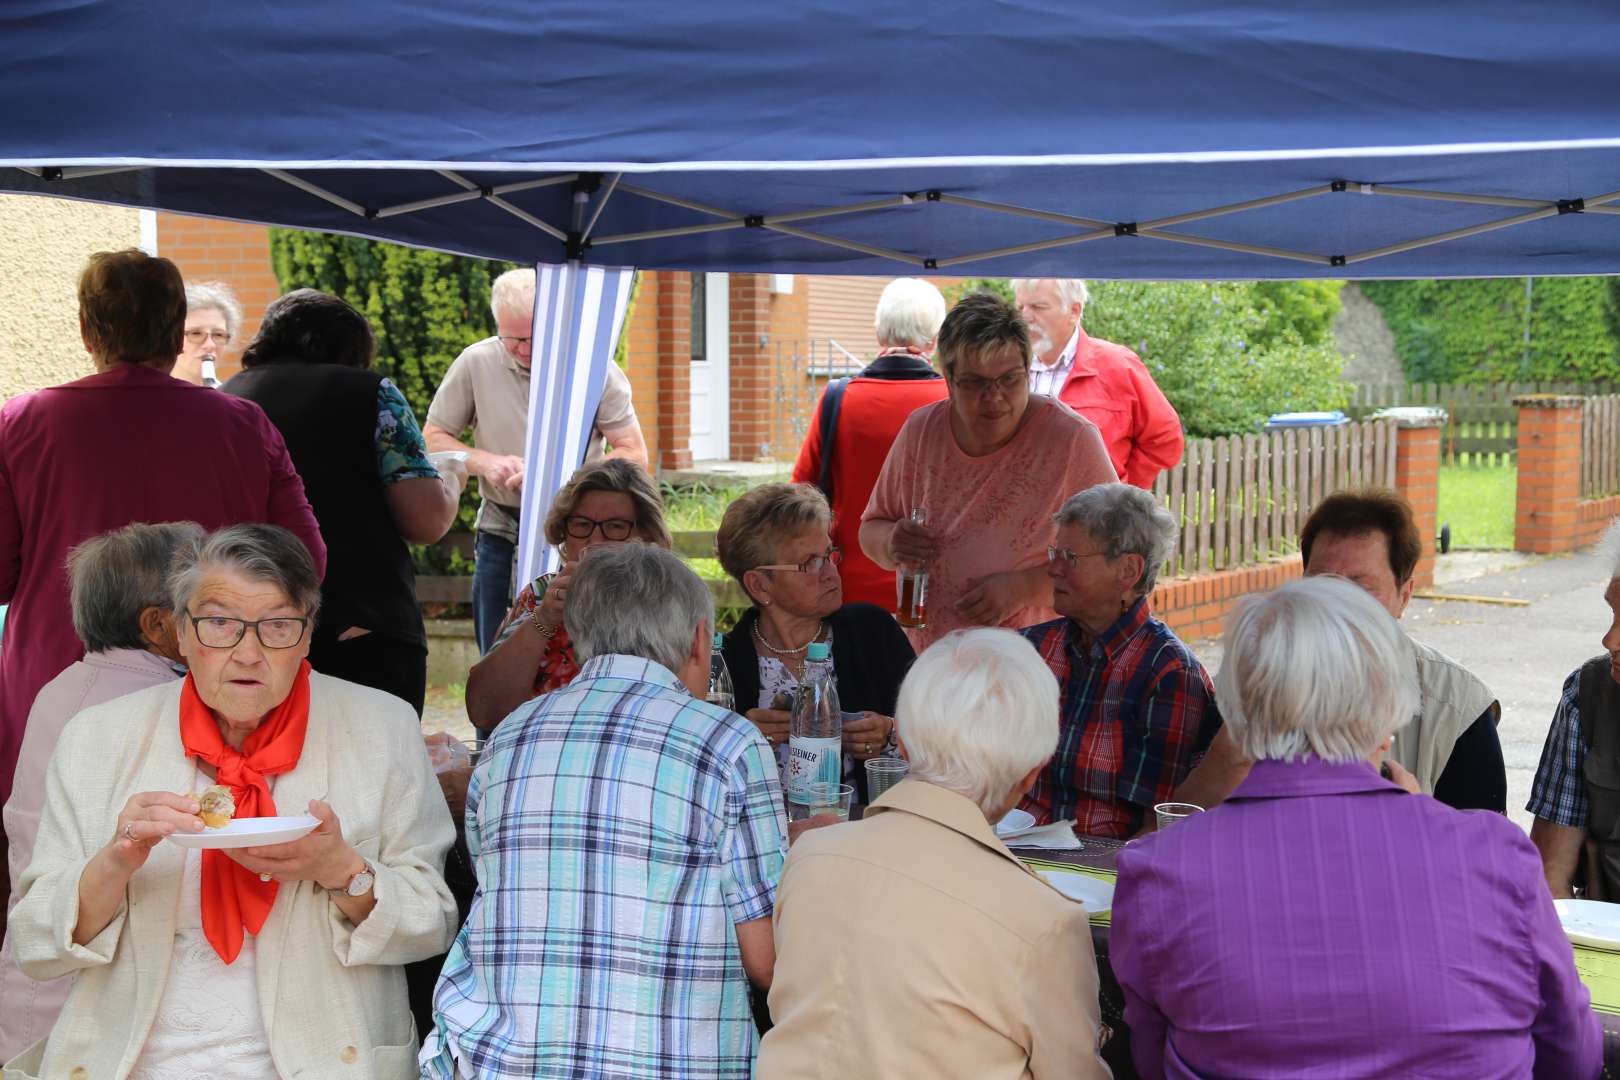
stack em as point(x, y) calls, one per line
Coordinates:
point(1226, 354)
point(1475, 331)
point(424, 306)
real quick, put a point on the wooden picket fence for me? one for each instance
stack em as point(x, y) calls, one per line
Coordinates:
point(1482, 425)
point(1242, 499)
point(1600, 446)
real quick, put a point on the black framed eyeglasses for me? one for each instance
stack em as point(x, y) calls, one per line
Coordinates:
point(224, 632)
point(812, 565)
point(581, 527)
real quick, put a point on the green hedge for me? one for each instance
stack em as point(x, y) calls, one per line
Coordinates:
point(1226, 354)
point(1474, 331)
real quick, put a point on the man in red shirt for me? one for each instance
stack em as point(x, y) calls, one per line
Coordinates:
point(1103, 382)
point(864, 414)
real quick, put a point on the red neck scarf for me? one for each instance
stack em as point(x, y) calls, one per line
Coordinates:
point(233, 898)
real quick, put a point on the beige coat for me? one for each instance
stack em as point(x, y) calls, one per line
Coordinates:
point(914, 944)
point(333, 995)
point(1451, 699)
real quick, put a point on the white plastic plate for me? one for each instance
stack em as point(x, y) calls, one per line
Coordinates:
point(1015, 822)
point(249, 832)
point(1095, 894)
point(1590, 922)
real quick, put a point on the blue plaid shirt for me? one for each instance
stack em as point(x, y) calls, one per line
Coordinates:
point(1558, 793)
point(620, 829)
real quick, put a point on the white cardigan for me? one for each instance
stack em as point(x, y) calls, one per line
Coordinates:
point(333, 994)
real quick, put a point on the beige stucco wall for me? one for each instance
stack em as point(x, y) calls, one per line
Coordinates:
point(43, 245)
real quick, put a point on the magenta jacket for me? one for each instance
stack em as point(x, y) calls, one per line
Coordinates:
point(1322, 922)
point(132, 444)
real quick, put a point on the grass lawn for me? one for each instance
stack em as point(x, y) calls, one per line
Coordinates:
point(1478, 502)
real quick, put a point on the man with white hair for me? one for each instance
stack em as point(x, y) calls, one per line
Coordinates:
point(628, 837)
point(857, 419)
point(487, 389)
point(1138, 707)
point(913, 943)
point(1106, 383)
point(1576, 794)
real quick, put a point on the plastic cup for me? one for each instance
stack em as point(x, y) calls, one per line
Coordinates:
point(1169, 813)
point(818, 799)
point(882, 773)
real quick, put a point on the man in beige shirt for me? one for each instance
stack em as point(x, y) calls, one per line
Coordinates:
point(487, 389)
point(913, 943)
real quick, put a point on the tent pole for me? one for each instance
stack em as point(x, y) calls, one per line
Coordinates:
point(601, 204)
point(850, 245)
point(319, 192)
point(1228, 245)
point(661, 234)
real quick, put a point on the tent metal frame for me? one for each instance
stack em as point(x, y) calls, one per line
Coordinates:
point(591, 197)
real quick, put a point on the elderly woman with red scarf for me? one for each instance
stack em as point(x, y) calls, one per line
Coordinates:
point(237, 961)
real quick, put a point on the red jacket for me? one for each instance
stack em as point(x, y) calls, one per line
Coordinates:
point(875, 406)
point(1110, 386)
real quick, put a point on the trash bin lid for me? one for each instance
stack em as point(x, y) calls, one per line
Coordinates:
point(1307, 419)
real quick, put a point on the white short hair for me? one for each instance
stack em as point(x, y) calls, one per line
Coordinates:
point(977, 712)
point(909, 313)
point(1609, 549)
point(1315, 667)
point(1069, 290)
point(203, 295)
point(513, 293)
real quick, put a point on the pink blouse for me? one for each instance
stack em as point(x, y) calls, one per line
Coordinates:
point(992, 513)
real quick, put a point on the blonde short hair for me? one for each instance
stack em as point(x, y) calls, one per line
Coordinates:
point(947, 703)
point(758, 522)
point(1315, 667)
point(617, 475)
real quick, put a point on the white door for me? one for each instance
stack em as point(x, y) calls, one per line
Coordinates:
point(711, 367)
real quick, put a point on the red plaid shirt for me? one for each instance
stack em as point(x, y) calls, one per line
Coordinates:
point(1137, 711)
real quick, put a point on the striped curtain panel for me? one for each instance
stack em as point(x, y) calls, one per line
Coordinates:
point(578, 313)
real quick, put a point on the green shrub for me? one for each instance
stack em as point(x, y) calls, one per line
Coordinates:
point(1474, 331)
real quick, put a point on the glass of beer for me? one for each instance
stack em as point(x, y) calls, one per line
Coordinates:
point(912, 588)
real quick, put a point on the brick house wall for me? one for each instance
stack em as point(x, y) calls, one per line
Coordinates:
point(206, 249)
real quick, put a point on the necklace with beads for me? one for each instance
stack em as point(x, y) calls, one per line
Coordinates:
point(800, 651)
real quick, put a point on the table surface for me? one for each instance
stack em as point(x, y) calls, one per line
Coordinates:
point(1099, 853)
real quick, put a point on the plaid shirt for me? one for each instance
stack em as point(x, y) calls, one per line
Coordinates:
point(1137, 711)
point(620, 829)
point(1558, 793)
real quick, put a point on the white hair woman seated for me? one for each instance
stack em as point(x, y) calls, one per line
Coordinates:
point(913, 943)
point(252, 962)
point(1323, 920)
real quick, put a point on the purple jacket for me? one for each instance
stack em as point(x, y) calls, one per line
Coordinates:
point(1324, 923)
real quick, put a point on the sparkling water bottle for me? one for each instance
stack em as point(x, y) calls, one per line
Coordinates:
point(816, 732)
point(209, 378)
point(720, 691)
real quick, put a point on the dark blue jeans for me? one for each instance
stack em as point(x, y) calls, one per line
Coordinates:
point(492, 585)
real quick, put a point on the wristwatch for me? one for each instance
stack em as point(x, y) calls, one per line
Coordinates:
point(361, 883)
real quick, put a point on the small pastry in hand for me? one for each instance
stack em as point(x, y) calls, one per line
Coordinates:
point(216, 806)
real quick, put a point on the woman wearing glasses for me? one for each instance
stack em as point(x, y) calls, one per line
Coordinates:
point(213, 319)
point(283, 960)
point(609, 501)
point(990, 465)
point(775, 541)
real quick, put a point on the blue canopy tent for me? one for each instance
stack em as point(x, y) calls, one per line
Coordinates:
point(1166, 139)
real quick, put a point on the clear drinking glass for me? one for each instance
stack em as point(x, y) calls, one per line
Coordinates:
point(882, 773)
point(821, 798)
point(1169, 813)
point(911, 587)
